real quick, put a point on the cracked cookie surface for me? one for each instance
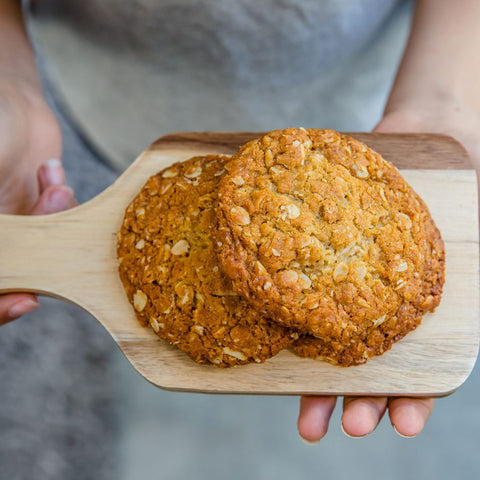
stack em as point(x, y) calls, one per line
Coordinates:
point(172, 276)
point(383, 335)
point(324, 235)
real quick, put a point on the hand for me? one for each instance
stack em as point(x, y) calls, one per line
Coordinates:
point(32, 180)
point(451, 117)
point(361, 415)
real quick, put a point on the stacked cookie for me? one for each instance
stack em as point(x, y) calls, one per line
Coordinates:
point(304, 239)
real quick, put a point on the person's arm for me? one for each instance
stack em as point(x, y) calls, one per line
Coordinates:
point(16, 54)
point(436, 88)
point(435, 91)
point(32, 179)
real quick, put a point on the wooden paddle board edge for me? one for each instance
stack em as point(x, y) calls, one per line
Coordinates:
point(212, 390)
point(432, 151)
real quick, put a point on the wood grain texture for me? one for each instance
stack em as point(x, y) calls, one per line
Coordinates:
point(71, 255)
point(432, 151)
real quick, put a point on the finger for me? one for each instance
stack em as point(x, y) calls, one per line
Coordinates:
point(54, 199)
point(50, 173)
point(15, 305)
point(313, 418)
point(361, 415)
point(409, 415)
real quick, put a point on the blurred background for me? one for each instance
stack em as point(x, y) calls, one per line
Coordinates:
point(72, 406)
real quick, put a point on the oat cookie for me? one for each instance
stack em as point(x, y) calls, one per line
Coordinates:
point(326, 236)
point(385, 333)
point(172, 276)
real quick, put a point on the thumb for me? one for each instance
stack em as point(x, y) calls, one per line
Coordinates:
point(54, 198)
point(54, 194)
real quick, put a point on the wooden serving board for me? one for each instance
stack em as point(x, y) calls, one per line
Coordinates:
point(72, 256)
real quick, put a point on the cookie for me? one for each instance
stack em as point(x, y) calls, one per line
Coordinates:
point(325, 236)
point(172, 276)
point(384, 334)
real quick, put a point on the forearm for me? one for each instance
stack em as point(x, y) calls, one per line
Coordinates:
point(16, 54)
point(441, 63)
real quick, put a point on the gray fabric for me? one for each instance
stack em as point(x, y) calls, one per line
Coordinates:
point(131, 71)
point(57, 408)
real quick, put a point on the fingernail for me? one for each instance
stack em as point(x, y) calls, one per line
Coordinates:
point(401, 434)
point(310, 442)
point(351, 436)
point(23, 307)
point(54, 172)
point(60, 198)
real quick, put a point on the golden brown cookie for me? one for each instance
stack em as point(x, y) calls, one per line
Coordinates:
point(384, 334)
point(324, 235)
point(172, 276)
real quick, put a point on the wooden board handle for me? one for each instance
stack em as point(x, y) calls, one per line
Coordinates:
point(69, 255)
point(44, 242)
